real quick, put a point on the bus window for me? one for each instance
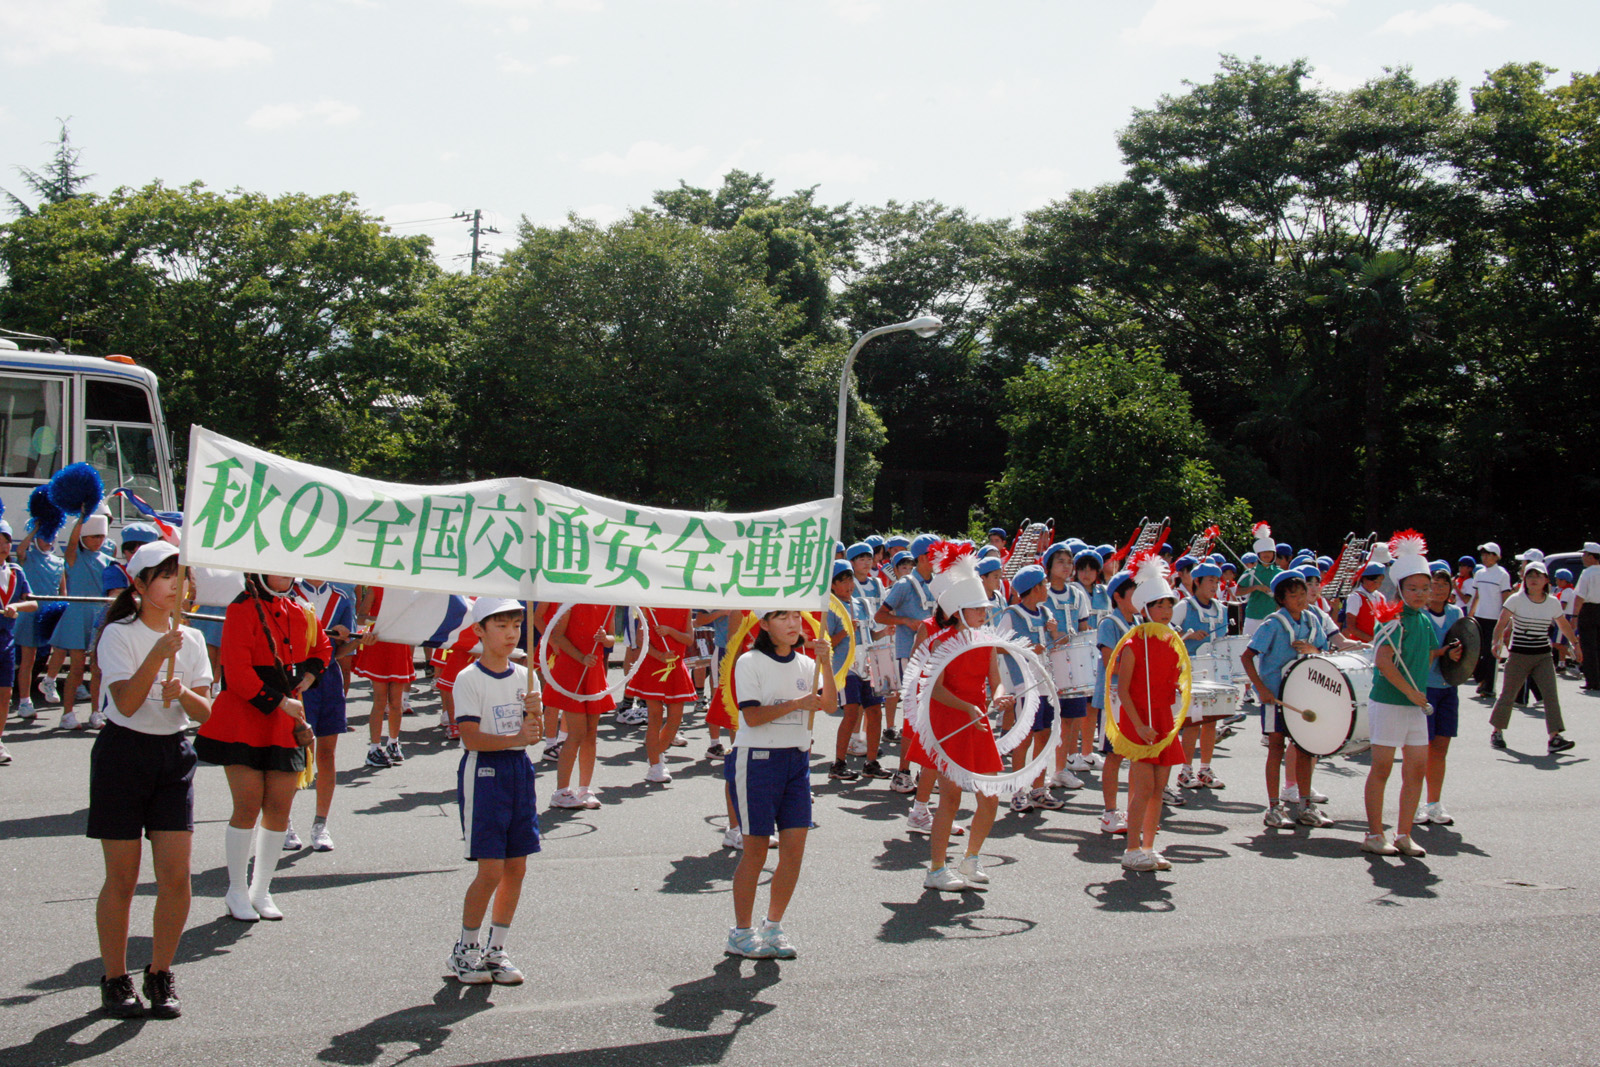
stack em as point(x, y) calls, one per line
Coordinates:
point(106, 401)
point(30, 427)
point(100, 452)
point(136, 448)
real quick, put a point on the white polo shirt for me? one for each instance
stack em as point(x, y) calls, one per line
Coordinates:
point(1490, 584)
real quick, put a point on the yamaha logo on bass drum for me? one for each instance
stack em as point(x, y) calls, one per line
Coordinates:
point(1332, 683)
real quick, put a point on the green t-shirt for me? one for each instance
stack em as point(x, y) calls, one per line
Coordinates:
point(1413, 643)
point(1260, 604)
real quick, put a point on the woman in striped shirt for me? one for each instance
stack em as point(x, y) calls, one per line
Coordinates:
point(1525, 623)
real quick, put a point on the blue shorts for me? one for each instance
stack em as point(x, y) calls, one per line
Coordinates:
point(325, 704)
point(75, 631)
point(499, 812)
point(8, 666)
point(1074, 708)
point(211, 631)
point(770, 788)
point(1045, 715)
point(858, 691)
point(1446, 717)
point(1272, 720)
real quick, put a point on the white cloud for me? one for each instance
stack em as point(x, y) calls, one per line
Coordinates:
point(562, 61)
point(39, 31)
point(1468, 18)
point(282, 116)
point(856, 10)
point(806, 168)
point(513, 65)
point(537, 5)
point(230, 9)
point(646, 157)
point(1051, 176)
point(1214, 22)
point(1337, 80)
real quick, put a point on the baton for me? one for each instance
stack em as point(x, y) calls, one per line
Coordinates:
point(104, 601)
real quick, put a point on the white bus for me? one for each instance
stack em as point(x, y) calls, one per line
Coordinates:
point(57, 409)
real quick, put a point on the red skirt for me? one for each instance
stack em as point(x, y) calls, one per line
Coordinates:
point(238, 734)
point(668, 682)
point(385, 661)
point(1153, 691)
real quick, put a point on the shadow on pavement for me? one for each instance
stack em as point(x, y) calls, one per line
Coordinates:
point(62, 1044)
point(1135, 891)
point(65, 825)
point(426, 1027)
point(936, 916)
point(702, 874)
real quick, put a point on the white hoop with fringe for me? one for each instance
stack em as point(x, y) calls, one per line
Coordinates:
point(615, 692)
point(924, 669)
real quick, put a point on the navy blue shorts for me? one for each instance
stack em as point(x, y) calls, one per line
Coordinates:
point(858, 691)
point(1074, 708)
point(1446, 717)
point(1272, 721)
point(499, 812)
point(139, 783)
point(8, 664)
point(1045, 715)
point(770, 789)
point(325, 704)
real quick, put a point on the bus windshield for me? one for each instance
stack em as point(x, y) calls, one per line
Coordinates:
point(120, 443)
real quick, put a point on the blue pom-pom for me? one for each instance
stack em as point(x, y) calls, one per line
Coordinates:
point(44, 623)
point(44, 517)
point(77, 489)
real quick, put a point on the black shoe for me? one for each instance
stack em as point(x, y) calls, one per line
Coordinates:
point(162, 991)
point(841, 771)
point(118, 999)
point(874, 769)
point(716, 751)
point(1559, 743)
point(891, 734)
point(1497, 739)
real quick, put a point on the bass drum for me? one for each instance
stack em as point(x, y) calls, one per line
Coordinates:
point(1334, 687)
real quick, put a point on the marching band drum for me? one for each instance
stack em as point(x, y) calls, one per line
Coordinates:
point(1074, 662)
point(879, 667)
point(1333, 688)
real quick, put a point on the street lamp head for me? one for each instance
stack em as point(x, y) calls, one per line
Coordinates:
point(926, 325)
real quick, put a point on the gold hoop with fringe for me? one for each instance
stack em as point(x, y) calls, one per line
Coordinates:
point(735, 643)
point(1121, 744)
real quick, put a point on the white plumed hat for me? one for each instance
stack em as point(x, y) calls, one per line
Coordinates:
point(1410, 551)
point(955, 579)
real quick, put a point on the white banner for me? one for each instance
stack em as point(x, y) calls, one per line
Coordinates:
point(246, 509)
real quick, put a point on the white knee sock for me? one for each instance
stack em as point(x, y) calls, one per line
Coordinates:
point(236, 845)
point(269, 846)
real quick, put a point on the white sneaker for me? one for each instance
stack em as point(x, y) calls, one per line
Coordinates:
point(69, 721)
point(1065, 779)
point(1113, 822)
point(291, 840)
point(501, 970)
point(589, 798)
point(1438, 816)
point(733, 838)
point(972, 874)
point(565, 798)
point(1186, 778)
point(857, 746)
point(1078, 762)
point(1137, 859)
point(97, 720)
point(1096, 760)
point(1311, 815)
point(5, 757)
point(25, 711)
point(945, 879)
point(320, 841)
point(920, 821)
point(1421, 817)
point(466, 963)
point(1316, 797)
point(1020, 802)
point(657, 773)
point(1174, 797)
point(1162, 863)
point(82, 695)
point(47, 690)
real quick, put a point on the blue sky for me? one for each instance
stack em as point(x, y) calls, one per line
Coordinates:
point(544, 107)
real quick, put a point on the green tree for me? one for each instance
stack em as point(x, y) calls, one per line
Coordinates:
point(647, 361)
point(275, 320)
point(1099, 438)
point(62, 178)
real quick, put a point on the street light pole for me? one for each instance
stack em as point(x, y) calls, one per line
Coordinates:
point(923, 326)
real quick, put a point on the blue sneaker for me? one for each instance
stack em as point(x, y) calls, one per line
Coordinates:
point(749, 944)
point(778, 941)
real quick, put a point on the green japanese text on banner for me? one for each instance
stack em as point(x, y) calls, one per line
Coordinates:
point(246, 509)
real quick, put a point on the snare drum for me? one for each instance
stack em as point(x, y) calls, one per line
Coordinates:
point(705, 644)
point(1212, 699)
point(882, 674)
point(1334, 687)
point(1074, 663)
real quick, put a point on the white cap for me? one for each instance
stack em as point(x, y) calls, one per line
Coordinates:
point(96, 525)
point(1535, 565)
point(1380, 553)
point(1532, 555)
point(1490, 546)
point(486, 606)
point(1592, 547)
point(151, 554)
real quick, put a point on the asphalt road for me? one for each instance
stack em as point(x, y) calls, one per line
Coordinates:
point(1260, 946)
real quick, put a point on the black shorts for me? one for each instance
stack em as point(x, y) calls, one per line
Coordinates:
point(139, 783)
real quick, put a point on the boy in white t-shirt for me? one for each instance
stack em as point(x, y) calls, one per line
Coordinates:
point(500, 714)
point(769, 775)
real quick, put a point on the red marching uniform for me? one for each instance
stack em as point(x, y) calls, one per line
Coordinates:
point(973, 748)
point(1154, 688)
point(583, 623)
point(261, 666)
point(668, 682)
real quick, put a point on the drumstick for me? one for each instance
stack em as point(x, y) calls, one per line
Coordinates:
point(1308, 716)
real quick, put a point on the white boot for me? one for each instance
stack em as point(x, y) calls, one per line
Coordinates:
point(237, 844)
point(269, 846)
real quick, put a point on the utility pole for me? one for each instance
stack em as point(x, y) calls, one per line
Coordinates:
point(478, 229)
